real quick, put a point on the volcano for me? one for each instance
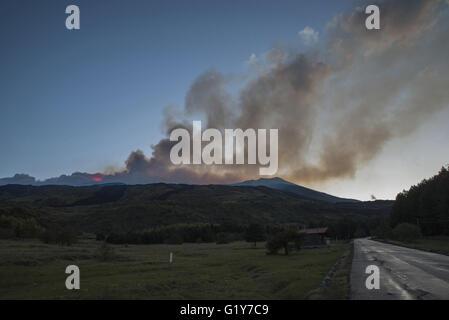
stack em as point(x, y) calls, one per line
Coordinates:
point(299, 191)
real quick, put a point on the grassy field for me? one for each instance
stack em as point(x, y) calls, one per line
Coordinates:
point(32, 270)
point(438, 244)
point(339, 285)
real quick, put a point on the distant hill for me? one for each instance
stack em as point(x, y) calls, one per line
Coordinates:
point(123, 208)
point(300, 191)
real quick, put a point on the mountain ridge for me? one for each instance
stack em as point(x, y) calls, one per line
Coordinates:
point(300, 191)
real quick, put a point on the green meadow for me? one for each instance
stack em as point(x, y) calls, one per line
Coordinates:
point(437, 244)
point(30, 269)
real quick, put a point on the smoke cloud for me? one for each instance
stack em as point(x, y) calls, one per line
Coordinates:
point(335, 106)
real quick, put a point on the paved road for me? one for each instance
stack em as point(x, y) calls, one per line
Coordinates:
point(404, 273)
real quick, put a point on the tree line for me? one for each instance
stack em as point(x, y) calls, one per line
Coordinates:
point(341, 229)
point(177, 234)
point(425, 205)
point(12, 227)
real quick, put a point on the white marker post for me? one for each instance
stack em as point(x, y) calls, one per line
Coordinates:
point(171, 257)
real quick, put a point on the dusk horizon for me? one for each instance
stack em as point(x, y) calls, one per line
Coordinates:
point(339, 131)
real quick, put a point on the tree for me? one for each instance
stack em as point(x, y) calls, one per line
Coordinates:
point(60, 237)
point(20, 227)
point(283, 240)
point(425, 205)
point(255, 233)
point(360, 232)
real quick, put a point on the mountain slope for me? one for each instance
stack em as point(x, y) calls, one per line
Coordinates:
point(138, 207)
point(300, 191)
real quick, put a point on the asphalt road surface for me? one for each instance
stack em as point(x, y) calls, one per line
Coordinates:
point(405, 274)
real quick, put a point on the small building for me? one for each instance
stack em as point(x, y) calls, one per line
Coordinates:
point(314, 238)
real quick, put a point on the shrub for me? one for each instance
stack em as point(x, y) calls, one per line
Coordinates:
point(105, 252)
point(406, 232)
point(284, 240)
point(6, 233)
point(58, 237)
point(100, 237)
point(255, 233)
point(383, 232)
point(223, 238)
point(274, 244)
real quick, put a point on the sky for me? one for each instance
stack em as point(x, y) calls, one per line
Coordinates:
point(83, 100)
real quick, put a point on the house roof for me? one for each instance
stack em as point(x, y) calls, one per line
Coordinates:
point(314, 230)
